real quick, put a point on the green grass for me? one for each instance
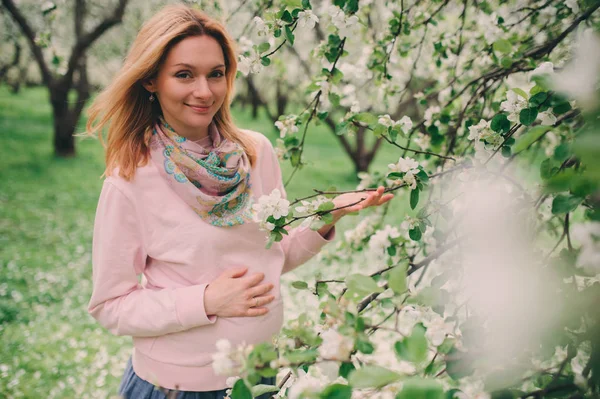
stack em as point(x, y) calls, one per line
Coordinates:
point(50, 346)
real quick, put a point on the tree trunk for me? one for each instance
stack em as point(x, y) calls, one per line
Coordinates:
point(64, 127)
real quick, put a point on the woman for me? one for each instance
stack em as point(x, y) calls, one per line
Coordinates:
point(176, 208)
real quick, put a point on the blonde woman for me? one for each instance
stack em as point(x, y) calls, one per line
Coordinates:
point(175, 208)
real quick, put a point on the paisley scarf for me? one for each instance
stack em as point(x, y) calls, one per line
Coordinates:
point(215, 183)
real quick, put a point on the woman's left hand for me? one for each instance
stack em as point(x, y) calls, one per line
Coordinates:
point(371, 198)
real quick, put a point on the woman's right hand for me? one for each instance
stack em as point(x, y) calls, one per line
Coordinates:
point(234, 295)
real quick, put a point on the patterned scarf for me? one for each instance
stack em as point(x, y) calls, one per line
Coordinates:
point(215, 183)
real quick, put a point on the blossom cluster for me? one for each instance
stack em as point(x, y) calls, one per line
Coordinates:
point(404, 171)
point(229, 360)
point(272, 205)
point(287, 126)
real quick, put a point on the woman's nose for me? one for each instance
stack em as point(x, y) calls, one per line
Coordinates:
point(201, 88)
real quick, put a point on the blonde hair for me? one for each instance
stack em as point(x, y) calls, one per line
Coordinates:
point(123, 106)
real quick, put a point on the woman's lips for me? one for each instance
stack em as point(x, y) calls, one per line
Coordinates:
point(199, 109)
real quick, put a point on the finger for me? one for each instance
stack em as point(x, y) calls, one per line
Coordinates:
point(253, 312)
point(236, 271)
point(385, 199)
point(260, 301)
point(259, 290)
point(255, 279)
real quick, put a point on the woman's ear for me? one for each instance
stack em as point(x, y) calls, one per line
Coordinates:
point(149, 85)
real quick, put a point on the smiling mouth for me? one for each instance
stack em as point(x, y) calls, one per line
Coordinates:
point(199, 107)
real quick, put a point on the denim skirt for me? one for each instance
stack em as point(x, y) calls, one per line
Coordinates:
point(133, 387)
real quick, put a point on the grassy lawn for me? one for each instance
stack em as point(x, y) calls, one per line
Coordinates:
point(50, 346)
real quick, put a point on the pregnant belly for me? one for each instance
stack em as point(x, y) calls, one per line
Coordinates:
point(194, 347)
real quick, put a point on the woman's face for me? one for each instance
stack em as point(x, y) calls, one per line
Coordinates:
point(191, 85)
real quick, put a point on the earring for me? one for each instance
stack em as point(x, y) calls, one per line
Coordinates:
point(151, 98)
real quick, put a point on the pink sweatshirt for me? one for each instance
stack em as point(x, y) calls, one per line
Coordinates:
point(143, 228)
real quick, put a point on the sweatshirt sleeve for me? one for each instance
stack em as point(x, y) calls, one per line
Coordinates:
point(301, 243)
point(118, 301)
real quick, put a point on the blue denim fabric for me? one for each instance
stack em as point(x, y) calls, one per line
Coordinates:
point(133, 387)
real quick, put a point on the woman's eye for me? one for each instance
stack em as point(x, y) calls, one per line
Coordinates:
point(218, 74)
point(183, 75)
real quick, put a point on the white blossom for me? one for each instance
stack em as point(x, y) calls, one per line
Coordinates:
point(588, 234)
point(250, 64)
point(335, 346)
point(483, 131)
point(513, 105)
point(306, 384)
point(345, 24)
point(270, 205)
point(307, 19)
point(261, 26)
point(245, 44)
point(422, 140)
point(355, 236)
point(287, 126)
point(579, 79)
point(365, 180)
point(381, 240)
point(229, 360)
point(410, 180)
point(429, 112)
point(545, 68)
point(572, 4)
point(355, 108)
point(547, 118)
point(404, 165)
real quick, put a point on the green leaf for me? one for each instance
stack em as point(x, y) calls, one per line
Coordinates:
point(286, 16)
point(265, 61)
point(316, 224)
point(295, 155)
point(421, 388)
point(502, 46)
point(529, 137)
point(415, 234)
point(263, 47)
point(306, 4)
point(537, 99)
point(366, 117)
point(547, 169)
point(506, 151)
point(364, 346)
point(300, 285)
point(289, 35)
point(457, 365)
point(506, 62)
point(379, 130)
point(528, 115)
point(397, 279)
point(564, 203)
point(395, 175)
point(240, 390)
point(260, 389)
point(413, 348)
point(337, 391)
point(561, 153)
point(327, 218)
point(500, 123)
point(561, 108)
point(362, 284)
point(345, 369)
point(520, 92)
point(326, 206)
point(372, 377)
point(422, 175)
point(302, 356)
point(414, 198)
